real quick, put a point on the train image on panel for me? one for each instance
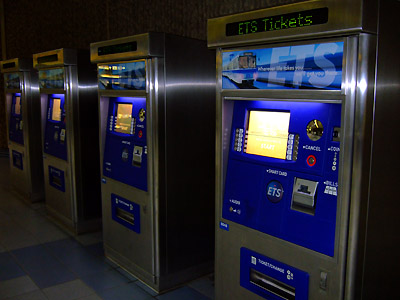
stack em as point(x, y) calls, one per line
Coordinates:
point(241, 70)
point(112, 78)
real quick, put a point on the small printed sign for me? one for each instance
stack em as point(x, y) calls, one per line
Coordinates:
point(224, 226)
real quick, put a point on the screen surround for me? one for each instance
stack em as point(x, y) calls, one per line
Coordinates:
point(56, 110)
point(267, 133)
point(17, 107)
point(123, 118)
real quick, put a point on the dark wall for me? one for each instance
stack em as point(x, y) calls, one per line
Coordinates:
point(37, 26)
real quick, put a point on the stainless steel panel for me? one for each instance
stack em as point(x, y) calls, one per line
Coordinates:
point(344, 17)
point(180, 117)
point(363, 120)
point(148, 44)
point(79, 208)
point(29, 181)
point(58, 203)
point(60, 57)
point(20, 64)
point(381, 259)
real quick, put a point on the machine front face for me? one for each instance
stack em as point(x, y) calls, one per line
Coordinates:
point(126, 190)
point(280, 176)
point(57, 163)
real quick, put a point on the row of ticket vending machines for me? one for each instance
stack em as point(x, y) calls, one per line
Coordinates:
point(273, 150)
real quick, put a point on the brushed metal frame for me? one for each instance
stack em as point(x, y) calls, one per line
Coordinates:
point(29, 181)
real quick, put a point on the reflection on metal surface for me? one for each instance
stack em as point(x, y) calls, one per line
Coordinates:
point(315, 129)
point(142, 115)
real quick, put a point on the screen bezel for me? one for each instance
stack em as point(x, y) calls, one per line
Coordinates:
point(116, 105)
point(247, 130)
point(15, 105)
point(52, 110)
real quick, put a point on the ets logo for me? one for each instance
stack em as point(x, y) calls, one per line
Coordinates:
point(274, 191)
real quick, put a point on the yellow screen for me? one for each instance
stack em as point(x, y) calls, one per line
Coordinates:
point(56, 112)
point(268, 133)
point(124, 118)
point(17, 109)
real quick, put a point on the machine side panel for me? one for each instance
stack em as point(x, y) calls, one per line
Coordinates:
point(381, 263)
point(34, 136)
point(89, 206)
point(189, 155)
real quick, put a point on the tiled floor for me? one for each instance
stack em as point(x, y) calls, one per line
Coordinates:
point(39, 261)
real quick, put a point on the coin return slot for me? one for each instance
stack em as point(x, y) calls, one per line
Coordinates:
point(336, 134)
point(272, 285)
point(126, 216)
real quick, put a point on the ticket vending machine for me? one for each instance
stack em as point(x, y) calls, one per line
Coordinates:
point(306, 154)
point(67, 83)
point(23, 122)
point(157, 125)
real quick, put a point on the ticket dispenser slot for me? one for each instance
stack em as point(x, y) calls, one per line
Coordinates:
point(17, 160)
point(270, 278)
point(272, 285)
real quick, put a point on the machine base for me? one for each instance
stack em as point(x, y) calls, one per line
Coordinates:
point(160, 284)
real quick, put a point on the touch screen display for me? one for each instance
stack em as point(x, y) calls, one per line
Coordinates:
point(124, 118)
point(268, 133)
point(56, 111)
point(17, 108)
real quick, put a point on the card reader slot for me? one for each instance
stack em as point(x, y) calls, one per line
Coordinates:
point(126, 216)
point(272, 285)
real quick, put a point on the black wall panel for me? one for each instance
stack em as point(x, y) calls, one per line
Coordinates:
point(37, 26)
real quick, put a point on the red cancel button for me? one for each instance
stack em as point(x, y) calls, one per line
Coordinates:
point(311, 160)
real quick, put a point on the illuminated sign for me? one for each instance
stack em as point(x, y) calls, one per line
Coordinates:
point(119, 48)
point(278, 22)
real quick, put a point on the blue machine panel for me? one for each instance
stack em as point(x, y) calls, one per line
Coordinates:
point(15, 130)
point(125, 153)
point(313, 66)
point(17, 160)
point(55, 135)
point(271, 279)
point(56, 178)
point(285, 182)
point(125, 212)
